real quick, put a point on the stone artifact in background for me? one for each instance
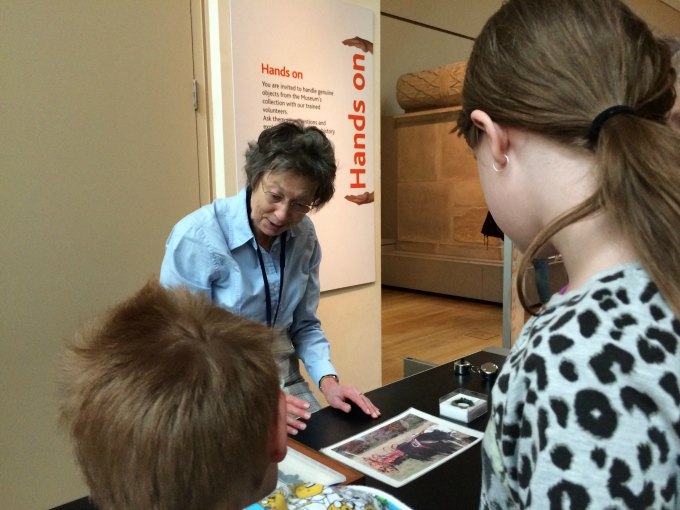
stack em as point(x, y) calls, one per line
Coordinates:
point(433, 88)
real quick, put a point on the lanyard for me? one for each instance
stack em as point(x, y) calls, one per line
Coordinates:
point(282, 263)
point(267, 293)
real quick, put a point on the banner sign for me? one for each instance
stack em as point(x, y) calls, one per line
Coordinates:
point(313, 60)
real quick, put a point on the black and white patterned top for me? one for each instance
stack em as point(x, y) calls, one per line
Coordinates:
point(586, 410)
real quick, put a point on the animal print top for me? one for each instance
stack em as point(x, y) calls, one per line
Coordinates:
point(586, 410)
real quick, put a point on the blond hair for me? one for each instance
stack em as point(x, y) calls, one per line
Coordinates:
point(169, 401)
point(550, 67)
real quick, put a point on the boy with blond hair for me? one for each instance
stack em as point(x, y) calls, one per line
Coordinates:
point(173, 403)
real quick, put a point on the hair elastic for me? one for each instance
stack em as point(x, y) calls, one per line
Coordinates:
point(605, 115)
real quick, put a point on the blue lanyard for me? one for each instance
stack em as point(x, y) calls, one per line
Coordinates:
point(267, 293)
point(282, 263)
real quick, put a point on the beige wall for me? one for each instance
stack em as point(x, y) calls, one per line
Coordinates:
point(662, 16)
point(99, 144)
point(408, 47)
point(99, 159)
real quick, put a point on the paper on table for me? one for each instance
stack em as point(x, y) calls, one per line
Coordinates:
point(405, 447)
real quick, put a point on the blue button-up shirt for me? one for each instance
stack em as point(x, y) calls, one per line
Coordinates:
point(213, 251)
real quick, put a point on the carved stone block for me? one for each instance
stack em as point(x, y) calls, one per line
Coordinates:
point(432, 88)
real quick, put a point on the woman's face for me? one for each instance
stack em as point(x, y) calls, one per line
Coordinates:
point(278, 202)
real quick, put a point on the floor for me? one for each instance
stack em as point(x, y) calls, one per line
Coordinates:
point(434, 328)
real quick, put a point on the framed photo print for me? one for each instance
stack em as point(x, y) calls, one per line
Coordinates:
point(402, 449)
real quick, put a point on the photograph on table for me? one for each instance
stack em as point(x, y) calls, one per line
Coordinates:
point(405, 447)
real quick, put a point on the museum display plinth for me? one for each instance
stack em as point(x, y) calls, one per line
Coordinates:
point(440, 211)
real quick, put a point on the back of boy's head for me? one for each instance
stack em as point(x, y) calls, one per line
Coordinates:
point(169, 401)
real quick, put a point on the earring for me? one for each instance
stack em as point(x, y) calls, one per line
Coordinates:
point(493, 164)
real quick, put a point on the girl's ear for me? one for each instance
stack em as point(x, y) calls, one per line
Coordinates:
point(497, 134)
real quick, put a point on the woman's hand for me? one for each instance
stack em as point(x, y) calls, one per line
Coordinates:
point(296, 411)
point(340, 397)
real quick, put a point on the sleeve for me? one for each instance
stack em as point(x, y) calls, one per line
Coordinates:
point(188, 260)
point(308, 338)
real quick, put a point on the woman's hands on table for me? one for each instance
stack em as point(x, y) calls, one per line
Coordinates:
point(296, 412)
point(341, 397)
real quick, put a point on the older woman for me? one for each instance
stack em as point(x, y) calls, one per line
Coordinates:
point(257, 255)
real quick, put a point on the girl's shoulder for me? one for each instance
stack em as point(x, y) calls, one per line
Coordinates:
point(621, 290)
point(618, 311)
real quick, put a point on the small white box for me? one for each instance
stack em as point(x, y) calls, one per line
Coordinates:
point(463, 405)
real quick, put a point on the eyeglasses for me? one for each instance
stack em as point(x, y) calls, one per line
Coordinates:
point(294, 206)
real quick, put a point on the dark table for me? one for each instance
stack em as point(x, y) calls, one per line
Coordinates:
point(454, 485)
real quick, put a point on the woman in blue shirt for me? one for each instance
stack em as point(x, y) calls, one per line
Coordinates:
point(256, 254)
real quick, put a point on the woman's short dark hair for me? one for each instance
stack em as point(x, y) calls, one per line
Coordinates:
point(293, 147)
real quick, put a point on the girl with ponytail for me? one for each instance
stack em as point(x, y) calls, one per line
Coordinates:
point(565, 104)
